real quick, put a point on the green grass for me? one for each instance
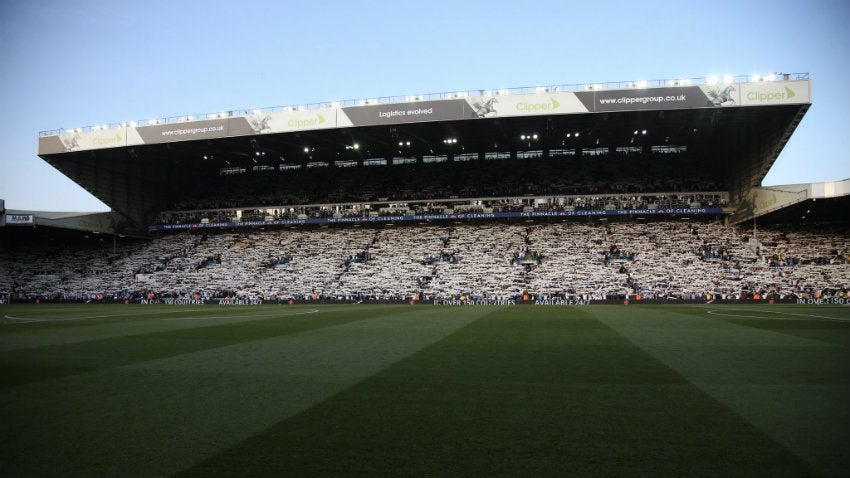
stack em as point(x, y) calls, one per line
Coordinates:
point(359, 390)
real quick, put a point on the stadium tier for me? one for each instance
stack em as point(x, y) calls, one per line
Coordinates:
point(492, 262)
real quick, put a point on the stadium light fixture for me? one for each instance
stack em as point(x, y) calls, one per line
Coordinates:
point(306, 149)
point(643, 132)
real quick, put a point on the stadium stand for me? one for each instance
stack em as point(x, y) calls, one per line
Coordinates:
point(667, 260)
point(606, 193)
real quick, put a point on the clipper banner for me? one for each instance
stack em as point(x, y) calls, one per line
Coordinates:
point(454, 109)
point(415, 112)
point(669, 98)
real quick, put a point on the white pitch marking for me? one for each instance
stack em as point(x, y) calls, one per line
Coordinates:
point(57, 319)
point(810, 316)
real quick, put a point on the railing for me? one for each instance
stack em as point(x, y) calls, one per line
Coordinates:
point(441, 96)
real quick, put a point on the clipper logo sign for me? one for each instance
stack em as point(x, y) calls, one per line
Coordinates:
point(526, 105)
point(766, 97)
point(305, 123)
point(768, 93)
point(538, 107)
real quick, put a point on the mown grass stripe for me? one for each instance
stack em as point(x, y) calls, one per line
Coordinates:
point(149, 320)
point(156, 417)
point(787, 380)
point(44, 363)
point(520, 392)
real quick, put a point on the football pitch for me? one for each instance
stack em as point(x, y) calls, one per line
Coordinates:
point(441, 391)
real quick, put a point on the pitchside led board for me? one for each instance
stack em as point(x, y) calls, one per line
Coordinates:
point(454, 109)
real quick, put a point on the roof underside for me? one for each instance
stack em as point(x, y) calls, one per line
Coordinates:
point(738, 145)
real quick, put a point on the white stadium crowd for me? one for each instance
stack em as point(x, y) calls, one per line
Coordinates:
point(664, 260)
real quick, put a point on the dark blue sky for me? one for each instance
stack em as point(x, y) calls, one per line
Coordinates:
point(80, 63)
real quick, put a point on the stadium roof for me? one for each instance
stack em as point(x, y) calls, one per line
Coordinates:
point(739, 128)
point(798, 203)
